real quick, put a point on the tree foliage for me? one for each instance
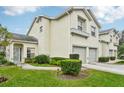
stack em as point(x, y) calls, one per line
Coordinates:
point(5, 37)
point(121, 50)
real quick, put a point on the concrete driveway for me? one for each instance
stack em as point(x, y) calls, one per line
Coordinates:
point(107, 67)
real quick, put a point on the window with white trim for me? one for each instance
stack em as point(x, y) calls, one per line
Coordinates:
point(93, 31)
point(110, 38)
point(41, 28)
point(81, 24)
point(30, 52)
point(110, 52)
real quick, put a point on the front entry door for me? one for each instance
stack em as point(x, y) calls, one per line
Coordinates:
point(17, 55)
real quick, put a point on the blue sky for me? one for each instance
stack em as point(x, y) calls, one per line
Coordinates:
point(19, 19)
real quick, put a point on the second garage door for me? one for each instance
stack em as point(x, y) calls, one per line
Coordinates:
point(92, 55)
point(81, 51)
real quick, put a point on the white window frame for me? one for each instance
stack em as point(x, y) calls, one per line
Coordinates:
point(110, 38)
point(41, 28)
point(31, 52)
point(93, 31)
point(81, 24)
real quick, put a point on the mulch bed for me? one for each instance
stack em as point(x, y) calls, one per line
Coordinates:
point(3, 79)
point(82, 74)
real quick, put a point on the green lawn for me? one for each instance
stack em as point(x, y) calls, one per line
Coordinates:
point(29, 78)
point(44, 65)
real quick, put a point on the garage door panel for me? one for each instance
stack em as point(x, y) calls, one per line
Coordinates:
point(81, 51)
point(92, 55)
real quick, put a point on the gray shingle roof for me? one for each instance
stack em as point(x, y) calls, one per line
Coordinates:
point(24, 37)
point(107, 31)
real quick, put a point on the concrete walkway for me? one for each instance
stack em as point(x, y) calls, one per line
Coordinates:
point(113, 68)
point(30, 67)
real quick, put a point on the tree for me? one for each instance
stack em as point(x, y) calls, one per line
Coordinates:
point(121, 50)
point(5, 37)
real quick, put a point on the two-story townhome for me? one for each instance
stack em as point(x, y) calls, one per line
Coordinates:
point(108, 42)
point(74, 31)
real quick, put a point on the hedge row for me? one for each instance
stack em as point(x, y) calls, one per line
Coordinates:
point(43, 59)
point(68, 66)
point(106, 59)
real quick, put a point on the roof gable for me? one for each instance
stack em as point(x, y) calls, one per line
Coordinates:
point(87, 12)
point(108, 31)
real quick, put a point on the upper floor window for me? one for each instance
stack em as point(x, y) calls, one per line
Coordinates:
point(93, 31)
point(116, 39)
point(110, 38)
point(38, 19)
point(41, 28)
point(81, 24)
point(30, 52)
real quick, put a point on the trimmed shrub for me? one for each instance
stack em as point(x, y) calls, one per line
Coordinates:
point(9, 63)
point(2, 60)
point(56, 60)
point(42, 59)
point(103, 59)
point(74, 56)
point(112, 58)
point(2, 54)
point(53, 62)
point(71, 66)
point(28, 60)
point(121, 57)
point(120, 62)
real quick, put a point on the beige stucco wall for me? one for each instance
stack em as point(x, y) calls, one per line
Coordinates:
point(43, 37)
point(91, 41)
point(56, 38)
point(60, 37)
point(105, 37)
point(103, 49)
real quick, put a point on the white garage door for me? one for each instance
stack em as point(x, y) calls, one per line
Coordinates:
point(92, 55)
point(82, 53)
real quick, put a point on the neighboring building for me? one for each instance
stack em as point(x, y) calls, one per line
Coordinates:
point(108, 42)
point(74, 31)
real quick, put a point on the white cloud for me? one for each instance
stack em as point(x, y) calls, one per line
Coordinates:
point(105, 14)
point(108, 14)
point(18, 10)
